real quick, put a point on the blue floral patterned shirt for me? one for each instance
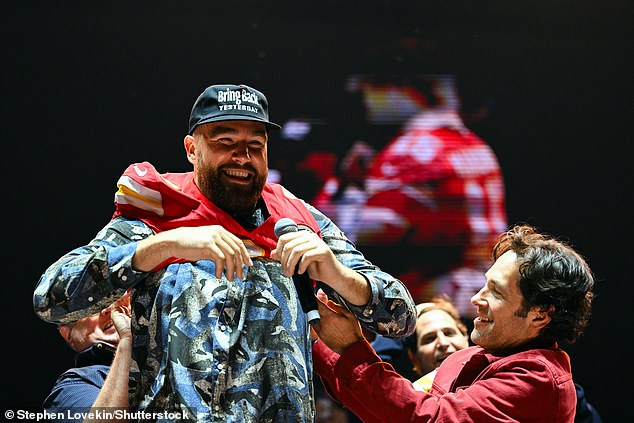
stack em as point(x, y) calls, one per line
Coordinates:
point(208, 349)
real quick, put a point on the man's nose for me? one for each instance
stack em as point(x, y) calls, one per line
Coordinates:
point(476, 300)
point(442, 341)
point(241, 152)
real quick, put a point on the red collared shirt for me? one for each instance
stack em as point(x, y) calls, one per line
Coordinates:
point(471, 386)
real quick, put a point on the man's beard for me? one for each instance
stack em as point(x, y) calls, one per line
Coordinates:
point(232, 199)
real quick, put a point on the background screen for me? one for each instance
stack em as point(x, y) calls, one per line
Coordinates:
point(530, 107)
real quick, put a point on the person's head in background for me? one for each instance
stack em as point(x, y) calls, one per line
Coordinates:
point(98, 327)
point(439, 333)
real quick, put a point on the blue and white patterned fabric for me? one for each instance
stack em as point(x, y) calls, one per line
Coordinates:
point(208, 349)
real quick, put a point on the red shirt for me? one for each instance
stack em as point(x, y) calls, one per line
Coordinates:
point(170, 200)
point(533, 385)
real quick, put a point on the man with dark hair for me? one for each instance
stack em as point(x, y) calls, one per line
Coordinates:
point(537, 294)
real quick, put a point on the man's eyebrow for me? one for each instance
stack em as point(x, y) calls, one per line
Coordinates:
point(219, 130)
point(261, 132)
point(498, 286)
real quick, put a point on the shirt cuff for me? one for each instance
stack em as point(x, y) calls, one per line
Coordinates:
point(120, 257)
point(366, 311)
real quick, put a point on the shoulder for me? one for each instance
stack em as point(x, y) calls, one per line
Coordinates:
point(540, 365)
point(543, 373)
point(77, 387)
point(129, 228)
point(462, 355)
point(92, 375)
point(454, 362)
point(553, 361)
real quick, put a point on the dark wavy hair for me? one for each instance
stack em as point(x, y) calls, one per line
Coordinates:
point(553, 277)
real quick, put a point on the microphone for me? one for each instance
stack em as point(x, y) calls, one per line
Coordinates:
point(303, 283)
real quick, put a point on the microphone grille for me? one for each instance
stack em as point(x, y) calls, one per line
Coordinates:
point(284, 226)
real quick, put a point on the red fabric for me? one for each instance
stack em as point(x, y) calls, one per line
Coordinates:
point(459, 188)
point(435, 187)
point(471, 386)
point(185, 205)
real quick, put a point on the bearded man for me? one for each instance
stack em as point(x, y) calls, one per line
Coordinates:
point(218, 329)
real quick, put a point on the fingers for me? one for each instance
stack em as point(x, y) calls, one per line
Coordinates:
point(121, 320)
point(124, 299)
point(323, 308)
point(220, 250)
point(229, 254)
point(326, 305)
point(123, 309)
point(239, 253)
point(296, 251)
point(337, 328)
point(321, 295)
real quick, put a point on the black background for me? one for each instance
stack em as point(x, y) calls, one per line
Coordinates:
point(90, 87)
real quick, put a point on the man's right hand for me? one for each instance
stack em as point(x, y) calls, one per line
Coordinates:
point(192, 244)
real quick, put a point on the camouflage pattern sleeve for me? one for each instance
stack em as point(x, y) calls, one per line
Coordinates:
point(391, 311)
point(89, 278)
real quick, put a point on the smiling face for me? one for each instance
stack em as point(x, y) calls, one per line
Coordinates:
point(230, 162)
point(437, 337)
point(500, 322)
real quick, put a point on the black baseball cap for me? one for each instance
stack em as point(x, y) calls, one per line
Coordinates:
point(230, 102)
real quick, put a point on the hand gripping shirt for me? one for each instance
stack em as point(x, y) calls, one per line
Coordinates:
point(208, 349)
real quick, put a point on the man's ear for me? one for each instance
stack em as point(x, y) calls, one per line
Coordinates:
point(64, 330)
point(541, 318)
point(190, 147)
point(412, 358)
